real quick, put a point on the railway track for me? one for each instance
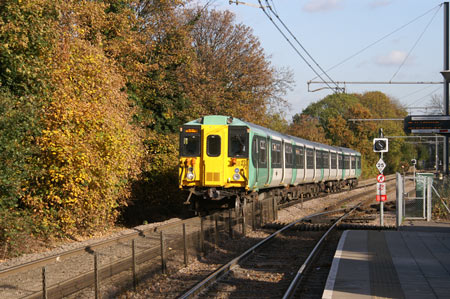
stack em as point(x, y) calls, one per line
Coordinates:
point(26, 280)
point(269, 268)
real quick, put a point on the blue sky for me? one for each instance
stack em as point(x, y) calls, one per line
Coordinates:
point(333, 30)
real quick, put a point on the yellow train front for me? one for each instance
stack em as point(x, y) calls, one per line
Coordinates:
point(214, 161)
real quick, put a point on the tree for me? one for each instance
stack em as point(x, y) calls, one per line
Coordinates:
point(234, 75)
point(333, 113)
point(308, 127)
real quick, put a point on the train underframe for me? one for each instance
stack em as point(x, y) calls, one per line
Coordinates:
point(207, 199)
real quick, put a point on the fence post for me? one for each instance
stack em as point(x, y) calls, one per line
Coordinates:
point(185, 245)
point(275, 209)
point(399, 195)
point(96, 278)
point(44, 283)
point(244, 224)
point(163, 254)
point(261, 214)
point(202, 236)
point(429, 198)
point(216, 232)
point(230, 224)
point(133, 253)
point(253, 215)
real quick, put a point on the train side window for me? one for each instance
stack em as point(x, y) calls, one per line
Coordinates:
point(213, 145)
point(341, 161)
point(309, 158)
point(346, 162)
point(326, 160)
point(289, 157)
point(299, 157)
point(319, 159)
point(262, 153)
point(276, 154)
point(353, 162)
point(333, 160)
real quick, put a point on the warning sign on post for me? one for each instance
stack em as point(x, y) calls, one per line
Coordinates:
point(381, 192)
point(381, 178)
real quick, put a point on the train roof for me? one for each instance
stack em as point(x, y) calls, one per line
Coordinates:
point(231, 121)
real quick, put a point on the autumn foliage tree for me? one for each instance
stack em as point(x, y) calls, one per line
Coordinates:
point(91, 97)
point(332, 115)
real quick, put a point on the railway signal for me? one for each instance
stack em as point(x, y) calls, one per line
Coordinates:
point(380, 145)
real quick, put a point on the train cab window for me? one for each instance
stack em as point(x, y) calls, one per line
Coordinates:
point(237, 142)
point(276, 154)
point(213, 145)
point(190, 141)
point(288, 155)
point(358, 162)
point(333, 160)
point(353, 162)
point(299, 161)
point(309, 158)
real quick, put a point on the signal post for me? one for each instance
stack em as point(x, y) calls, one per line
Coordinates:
point(380, 145)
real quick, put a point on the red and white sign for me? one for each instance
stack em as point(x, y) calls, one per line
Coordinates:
point(381, 191)
point(381, 178)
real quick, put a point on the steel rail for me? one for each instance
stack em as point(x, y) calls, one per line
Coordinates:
point(299, 276)
point(210, 279)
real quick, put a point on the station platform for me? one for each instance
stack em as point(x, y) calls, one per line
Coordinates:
point(412, 262)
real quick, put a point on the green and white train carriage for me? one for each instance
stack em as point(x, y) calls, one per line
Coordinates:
point(224, 159)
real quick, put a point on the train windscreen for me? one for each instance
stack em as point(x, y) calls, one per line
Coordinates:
point(238, 142)
point(190, 141)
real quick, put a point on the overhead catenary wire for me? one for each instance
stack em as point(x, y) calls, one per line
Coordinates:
point(415, 44)
point(427, 95)
point(414, 92)
point(297, 41)
point(293, 46)
point(380, 39)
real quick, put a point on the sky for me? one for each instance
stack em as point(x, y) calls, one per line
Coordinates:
point(334, 30)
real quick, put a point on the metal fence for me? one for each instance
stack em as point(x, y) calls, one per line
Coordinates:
point(165, 249)
point(441, 197)
point(423, 196)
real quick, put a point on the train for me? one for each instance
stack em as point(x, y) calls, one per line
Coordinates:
point(226, 162)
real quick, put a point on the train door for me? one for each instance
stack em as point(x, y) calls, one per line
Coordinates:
point(310, 157)
point(276, 162)
point(214, 154)
point(326, 165)
point(299, 163)
point(333, 171)
point(288, 163)
point(259, 160)
point(353, 166)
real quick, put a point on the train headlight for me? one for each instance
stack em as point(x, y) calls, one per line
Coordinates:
point(190, 176)
point(236, 176)
point(236, 170)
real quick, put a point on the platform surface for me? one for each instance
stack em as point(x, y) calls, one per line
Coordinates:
point(413, 262)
